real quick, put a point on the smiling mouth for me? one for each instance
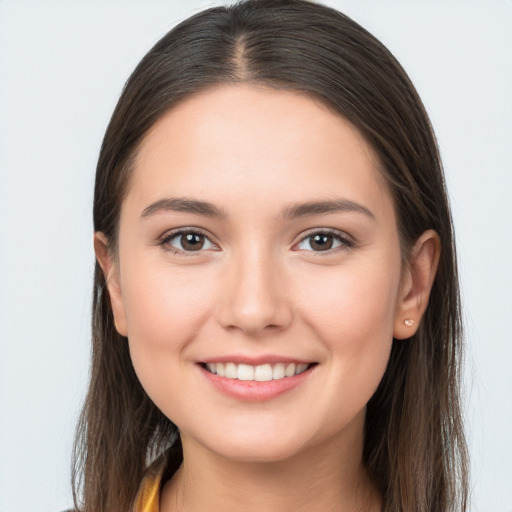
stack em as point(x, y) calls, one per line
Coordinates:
point(259, 373)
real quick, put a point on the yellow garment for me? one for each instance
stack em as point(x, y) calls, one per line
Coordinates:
point(148, 497)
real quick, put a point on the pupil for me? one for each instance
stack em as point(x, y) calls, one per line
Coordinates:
point(192, 242)
point(322, 242)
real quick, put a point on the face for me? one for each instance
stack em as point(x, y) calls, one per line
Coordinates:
point(258, 274)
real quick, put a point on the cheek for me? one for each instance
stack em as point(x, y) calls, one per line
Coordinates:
point(357, 301)
point(160, 302)
point(354, 318)
point(165, 310)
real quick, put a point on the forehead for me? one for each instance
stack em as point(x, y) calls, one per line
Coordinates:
point(256, 143)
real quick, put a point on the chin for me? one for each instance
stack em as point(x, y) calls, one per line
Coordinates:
point(256, 448)
point(258, 454)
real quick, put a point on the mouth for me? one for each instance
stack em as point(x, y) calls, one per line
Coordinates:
point(256, 379)
point(257, 373)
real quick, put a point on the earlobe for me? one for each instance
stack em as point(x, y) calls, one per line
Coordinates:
point(110, 271)
point(417, 283)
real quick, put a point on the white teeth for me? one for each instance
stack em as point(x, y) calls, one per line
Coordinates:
point(220, 369)
point(263, 373)
point(245, 372)
point(290, 370)
point(231, 371)
point(278, 371)
point(301, 368)
point(260, 373)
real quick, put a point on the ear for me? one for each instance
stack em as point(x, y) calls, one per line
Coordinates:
point(416, 284)
point(108, 264)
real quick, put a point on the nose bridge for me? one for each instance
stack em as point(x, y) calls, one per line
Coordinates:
point(253, 298)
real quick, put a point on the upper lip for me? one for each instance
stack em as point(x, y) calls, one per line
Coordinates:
point(256, 360)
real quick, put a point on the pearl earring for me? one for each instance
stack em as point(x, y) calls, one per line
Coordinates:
point(408, 322)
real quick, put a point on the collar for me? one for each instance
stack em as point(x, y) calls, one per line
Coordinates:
point(148, 496)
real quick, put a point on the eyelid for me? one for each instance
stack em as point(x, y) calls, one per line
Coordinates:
point(346, 240)
point(164, 240)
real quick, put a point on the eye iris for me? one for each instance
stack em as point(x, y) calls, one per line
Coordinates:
point(321, 242)
point(192, 241)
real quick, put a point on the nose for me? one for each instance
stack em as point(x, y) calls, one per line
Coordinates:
point(254, 297)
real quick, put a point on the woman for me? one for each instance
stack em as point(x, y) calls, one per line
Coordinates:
point(276, 318)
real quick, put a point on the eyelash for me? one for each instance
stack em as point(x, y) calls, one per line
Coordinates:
point(166, 239)
point(345, 241)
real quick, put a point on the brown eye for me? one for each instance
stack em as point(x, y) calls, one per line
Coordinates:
point(188, 241)
point(323, 241)
point(192, 241)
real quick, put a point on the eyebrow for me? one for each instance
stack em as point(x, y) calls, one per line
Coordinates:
point(182, 204)
point(322, 207)
point(292, 211)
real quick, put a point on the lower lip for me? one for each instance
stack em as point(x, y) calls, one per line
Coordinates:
point(256, 391)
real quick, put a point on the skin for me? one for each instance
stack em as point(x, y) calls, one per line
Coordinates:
point(256, 288)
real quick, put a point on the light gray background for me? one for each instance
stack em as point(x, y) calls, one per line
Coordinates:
point(62, 66)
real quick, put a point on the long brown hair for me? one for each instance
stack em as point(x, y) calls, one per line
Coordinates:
point(414, 444)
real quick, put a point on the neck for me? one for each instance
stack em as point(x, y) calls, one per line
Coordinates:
point(328, 477)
